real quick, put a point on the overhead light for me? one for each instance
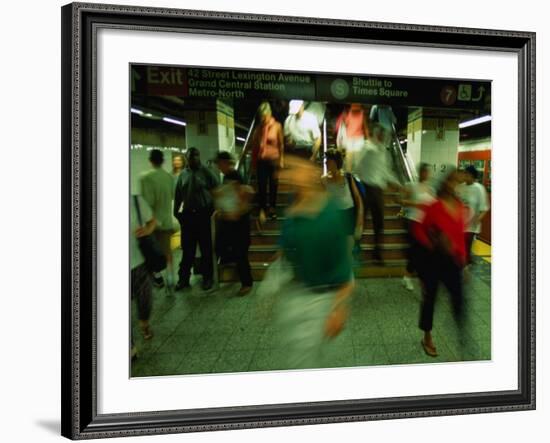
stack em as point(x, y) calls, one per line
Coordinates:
point(140, 112)
point(174, 121)
point(475, 121)
point(241, 139)
point(403, 141)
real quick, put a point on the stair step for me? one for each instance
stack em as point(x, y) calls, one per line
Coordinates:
point(390, 210)
point(389, 236)
point(390, 222)
point(366, 269)
point(390, 251)
point(283, 198)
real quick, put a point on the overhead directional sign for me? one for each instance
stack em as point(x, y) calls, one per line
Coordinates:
point(240, 84)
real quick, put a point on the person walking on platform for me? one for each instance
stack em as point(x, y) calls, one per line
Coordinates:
point(372, 169)
point(314, 308)
point(157, 189)
point(193, 207)
point(233, 202)
point(142, 223)
point(267, 158)
point(474, 196)
point(301, 131)
point(441, 234)
point(417, 195)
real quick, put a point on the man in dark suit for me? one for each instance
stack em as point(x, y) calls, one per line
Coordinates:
point(193, 207)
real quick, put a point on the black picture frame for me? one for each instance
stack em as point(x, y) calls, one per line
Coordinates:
point(79, 211)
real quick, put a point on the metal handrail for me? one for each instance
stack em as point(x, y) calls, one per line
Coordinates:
point(406, 170)
point(215, 265)
point(324, 146)
point(245, 145)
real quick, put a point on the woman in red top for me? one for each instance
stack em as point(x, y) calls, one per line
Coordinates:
point(352, 129)
point(267, 158)
point(441, 233)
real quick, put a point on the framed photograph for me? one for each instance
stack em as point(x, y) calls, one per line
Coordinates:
point(274, 221)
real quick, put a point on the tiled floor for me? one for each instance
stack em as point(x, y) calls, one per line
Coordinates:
point(217, 332)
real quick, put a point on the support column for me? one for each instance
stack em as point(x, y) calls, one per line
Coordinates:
point(210, 128)
point(432, 137)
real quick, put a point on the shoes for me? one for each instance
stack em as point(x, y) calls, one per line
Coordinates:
point(407, 282)
point(467, 273)
point(378, 258)
point(429, 350)
point(262, 217)
point(158, 281)
point(182, 285)
point(207, 284)
point(226, 260)
point(146, 332)
point(244, 290)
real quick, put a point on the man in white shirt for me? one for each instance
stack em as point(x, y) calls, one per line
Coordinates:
point(157, 189)
point(474, 196)
point(371, 166)
point(301, 130)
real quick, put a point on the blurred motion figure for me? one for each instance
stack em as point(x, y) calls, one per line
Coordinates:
point(233, 234)
point(343, 190)
point(374, 172)
point(142, 223)
point(416, 196)
point(474, 196)
point(441, 233)
point(157, 187)
point(352, 129)
point(267, 158)
point(314, 242)
point(301, 131)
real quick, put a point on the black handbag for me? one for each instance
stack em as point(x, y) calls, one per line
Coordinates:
point(155, 260)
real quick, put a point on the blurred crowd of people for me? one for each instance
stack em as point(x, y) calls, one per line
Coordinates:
point(332, 194)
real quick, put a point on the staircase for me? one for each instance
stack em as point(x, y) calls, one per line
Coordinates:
point(264, 243)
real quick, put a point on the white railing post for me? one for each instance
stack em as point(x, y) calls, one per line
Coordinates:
point(215, 266)
point(324, 146)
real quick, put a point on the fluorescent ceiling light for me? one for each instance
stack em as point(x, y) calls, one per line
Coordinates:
point(176, 122)
point(241, 139)
point(475, 121)
point(136, 111)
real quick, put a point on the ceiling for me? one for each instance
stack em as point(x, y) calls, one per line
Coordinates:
point(244, 112)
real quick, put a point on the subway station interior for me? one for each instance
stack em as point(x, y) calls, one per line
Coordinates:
point(426, 125)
